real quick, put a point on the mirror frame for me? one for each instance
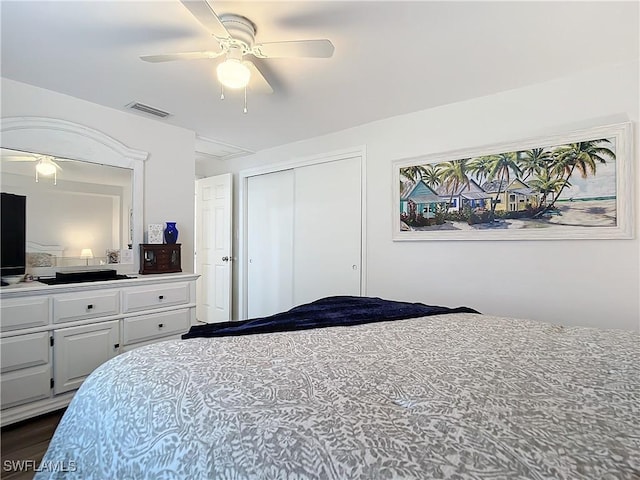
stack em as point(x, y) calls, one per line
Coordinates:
point(62, 138)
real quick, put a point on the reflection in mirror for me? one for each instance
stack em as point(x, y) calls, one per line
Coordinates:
point(73, 208)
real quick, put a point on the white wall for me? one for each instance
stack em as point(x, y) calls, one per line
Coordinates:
point(577, 282)
point(207, 166)
point(71, 214)
point(169, 169)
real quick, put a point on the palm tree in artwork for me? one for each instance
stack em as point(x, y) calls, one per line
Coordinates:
point(546, 184)
point(431, 176)
point(480, 167)
point(534, 161)
point(583, 156)
point(454, 174)
point(413, 173)
point(501, 167)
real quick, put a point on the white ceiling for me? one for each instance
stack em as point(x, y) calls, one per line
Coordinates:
point(74, 171)
point(391, 58)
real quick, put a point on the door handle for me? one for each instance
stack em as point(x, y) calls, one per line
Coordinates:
point(225, 259)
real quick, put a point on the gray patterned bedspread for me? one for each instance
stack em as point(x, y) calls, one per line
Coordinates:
point(457, 396)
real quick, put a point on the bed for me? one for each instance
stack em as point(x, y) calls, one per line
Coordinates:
point(451, 395)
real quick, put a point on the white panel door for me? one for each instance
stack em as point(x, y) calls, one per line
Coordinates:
point(269, 243)
point(78, 351)
point(328, 230)
point(213, 248)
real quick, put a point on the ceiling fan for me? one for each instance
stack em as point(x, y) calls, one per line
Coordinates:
point(236, 39)
point(46, 165)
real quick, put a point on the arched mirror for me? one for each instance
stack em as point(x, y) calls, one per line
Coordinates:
point(83, 194)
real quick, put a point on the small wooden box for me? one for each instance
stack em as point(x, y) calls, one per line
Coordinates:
point(160, 258)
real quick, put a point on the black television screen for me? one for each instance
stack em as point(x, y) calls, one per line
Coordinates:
point(13, 233)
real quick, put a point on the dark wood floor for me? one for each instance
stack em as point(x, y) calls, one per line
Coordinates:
point(26, 440)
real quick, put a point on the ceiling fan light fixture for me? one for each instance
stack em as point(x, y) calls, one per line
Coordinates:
point(233, 73)
point(45, 167)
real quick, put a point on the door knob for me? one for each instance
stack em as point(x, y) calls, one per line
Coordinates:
point(225, 259)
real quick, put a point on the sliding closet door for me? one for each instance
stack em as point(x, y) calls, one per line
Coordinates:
point(269, 243)
point(327, 233)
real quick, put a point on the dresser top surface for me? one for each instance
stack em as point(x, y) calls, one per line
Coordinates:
point(38, 288)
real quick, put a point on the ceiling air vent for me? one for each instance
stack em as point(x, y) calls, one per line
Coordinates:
point(141, 107)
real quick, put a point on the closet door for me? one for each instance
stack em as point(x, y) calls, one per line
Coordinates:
point(269, 243)
point(327, 230)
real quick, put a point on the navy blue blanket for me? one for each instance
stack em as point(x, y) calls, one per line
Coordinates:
point(326, 312)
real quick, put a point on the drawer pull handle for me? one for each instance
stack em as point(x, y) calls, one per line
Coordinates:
point(160, 297)
point(117, 345)
point(160, 325)
point(90, 306)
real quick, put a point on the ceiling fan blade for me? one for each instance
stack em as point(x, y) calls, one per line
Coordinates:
point(207, 17)
point(19, 158)
point(257, 82)
point(298, 48)
point(169, 57)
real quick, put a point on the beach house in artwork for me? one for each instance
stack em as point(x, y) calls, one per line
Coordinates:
point(468, 194)
point(420, 196)
point(510, 197)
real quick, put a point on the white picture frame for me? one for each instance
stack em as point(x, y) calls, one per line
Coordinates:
point(469, 208)
point(155, 233)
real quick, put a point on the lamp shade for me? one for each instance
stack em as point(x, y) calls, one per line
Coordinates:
point(86, 253)
point(233, 73)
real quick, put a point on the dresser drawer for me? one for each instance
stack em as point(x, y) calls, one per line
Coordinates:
point(144, 298)
point(26, 385)
point(147, 327)
point(19, 313)
point(78, 306)
point(24, 351)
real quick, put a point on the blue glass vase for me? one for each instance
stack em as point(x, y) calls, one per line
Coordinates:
point(171, 233)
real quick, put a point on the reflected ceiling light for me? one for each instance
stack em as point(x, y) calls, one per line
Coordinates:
point(47, 167)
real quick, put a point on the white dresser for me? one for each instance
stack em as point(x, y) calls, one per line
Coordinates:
point(53, 336)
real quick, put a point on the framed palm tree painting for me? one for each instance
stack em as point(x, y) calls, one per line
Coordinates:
point(570, 186)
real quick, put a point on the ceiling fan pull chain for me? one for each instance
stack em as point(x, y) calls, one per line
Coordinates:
point(221, 92)
point(37, 175)
point(245, 100)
